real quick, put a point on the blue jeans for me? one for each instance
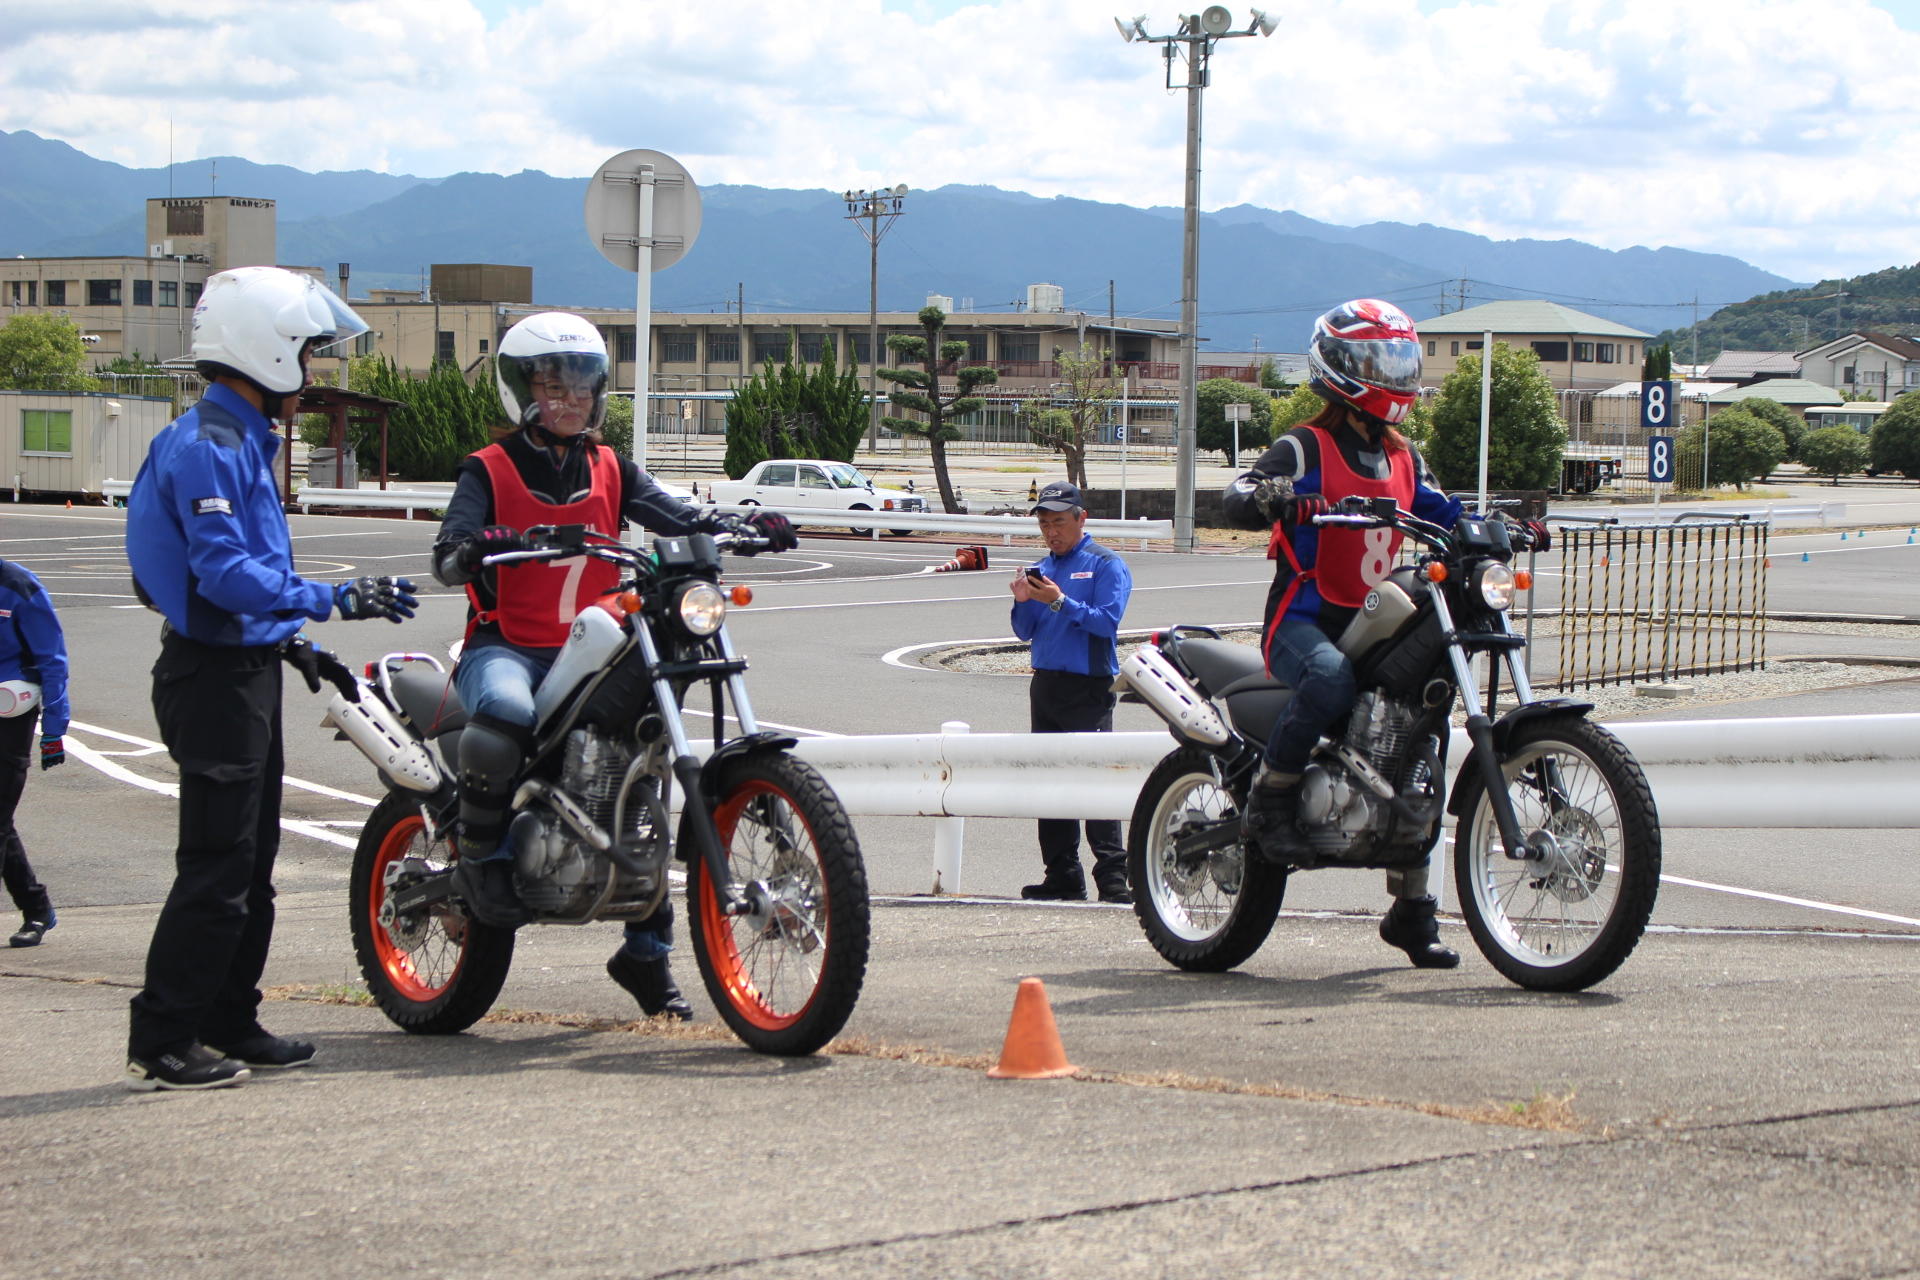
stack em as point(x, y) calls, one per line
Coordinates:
point(1303, 656)
point(498, 680)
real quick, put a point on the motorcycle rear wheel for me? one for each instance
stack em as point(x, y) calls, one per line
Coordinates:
point(1567, 922)
point(786, 975)
point(1212, 915)
point(437, 972)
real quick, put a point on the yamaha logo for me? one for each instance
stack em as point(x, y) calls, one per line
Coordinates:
point(1373, 601)
point(579, 628)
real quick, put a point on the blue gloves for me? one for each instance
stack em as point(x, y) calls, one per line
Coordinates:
point(389, 598)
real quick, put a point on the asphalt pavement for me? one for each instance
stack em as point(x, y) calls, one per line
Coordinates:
point(1742, 1098)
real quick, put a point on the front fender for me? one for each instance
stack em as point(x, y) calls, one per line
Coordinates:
point(751, 744)
point(1503, 732)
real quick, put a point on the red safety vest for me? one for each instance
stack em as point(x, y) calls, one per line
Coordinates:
point(536, 603)
point(1350, 562)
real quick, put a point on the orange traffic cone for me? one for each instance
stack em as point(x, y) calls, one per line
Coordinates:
point(69, 504)
point(1032, 1050)
point(964, 559)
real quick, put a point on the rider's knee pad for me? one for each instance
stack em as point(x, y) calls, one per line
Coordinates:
point(491, 753)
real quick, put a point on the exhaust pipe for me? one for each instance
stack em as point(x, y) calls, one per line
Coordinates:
point(1173, 698)
point(371, 726)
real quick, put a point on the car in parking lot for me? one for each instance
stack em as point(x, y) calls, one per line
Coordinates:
point(814, 484)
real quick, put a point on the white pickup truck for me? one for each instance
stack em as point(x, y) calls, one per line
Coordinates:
point(809, 484)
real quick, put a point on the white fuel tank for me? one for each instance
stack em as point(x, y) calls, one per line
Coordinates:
point(1387, 608)
point(591, 645)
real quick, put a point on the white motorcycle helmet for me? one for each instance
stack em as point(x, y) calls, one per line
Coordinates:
point(254, 321)
point(570, 354)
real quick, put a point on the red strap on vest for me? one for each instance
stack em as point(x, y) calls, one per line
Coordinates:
point(1281, 543)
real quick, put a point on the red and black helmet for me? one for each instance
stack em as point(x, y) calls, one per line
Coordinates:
point(1366, 354)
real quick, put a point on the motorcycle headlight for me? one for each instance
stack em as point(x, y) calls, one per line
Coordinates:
point(701, 608)
point(1494, 582)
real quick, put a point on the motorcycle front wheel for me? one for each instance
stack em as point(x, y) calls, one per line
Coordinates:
point(785, 974)
point(432, 971)
point(1206, 912)
point(1564, 920)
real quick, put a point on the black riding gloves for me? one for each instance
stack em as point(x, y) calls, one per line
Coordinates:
point(389, 598)
point(1281, 505)
point(775, 528)
point(53, 751)
point(315, 664)
point(490, 541)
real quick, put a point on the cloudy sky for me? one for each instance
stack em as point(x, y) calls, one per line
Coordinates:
point(1783, 132)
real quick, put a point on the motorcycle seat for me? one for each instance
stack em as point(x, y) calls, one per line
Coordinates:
point(430, 700)
point(1237, 675)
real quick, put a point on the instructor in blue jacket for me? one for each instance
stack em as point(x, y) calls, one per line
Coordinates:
point(33, 689)
point(210, 549)
point(1069, 606)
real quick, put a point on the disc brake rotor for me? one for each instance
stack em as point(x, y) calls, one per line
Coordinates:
point(1573, 855)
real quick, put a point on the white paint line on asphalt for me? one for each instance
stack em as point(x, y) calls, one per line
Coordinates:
point(897, 657)
point(148, 747)
point(998, 595)
point(87, 755)
point(1790, 901)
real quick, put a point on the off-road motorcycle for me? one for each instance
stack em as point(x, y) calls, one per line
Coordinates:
point(1557, 843)
point(775, 886)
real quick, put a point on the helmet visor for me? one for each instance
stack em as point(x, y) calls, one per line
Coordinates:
point(1388, 364)
point(339, 322)
point(564, 392)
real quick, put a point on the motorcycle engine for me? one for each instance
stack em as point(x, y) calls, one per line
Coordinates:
point(556, 872)
point(1335, 806)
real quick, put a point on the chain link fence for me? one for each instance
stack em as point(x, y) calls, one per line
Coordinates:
point(1655, 602)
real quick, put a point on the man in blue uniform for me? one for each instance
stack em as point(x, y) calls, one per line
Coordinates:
point(33, 689)
point(1068, 606)
point(209, 545)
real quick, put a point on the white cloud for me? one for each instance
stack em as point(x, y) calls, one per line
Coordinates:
point(1774, 130)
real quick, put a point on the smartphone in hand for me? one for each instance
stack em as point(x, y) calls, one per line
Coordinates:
point(1035, 576)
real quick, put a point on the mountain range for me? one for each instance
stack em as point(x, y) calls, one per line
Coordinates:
point(1264, 273)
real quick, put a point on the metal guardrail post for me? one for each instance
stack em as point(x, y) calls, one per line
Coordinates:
point(949, 835)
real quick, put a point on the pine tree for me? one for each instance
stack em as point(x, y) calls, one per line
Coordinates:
point(923, 395)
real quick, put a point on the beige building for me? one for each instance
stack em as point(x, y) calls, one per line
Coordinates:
point(126, 306)
point(1577, 351)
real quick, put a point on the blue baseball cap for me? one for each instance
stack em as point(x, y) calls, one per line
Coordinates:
point(1059, 496)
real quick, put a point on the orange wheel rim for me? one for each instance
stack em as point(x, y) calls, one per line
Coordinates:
point(744, 974)
point(401, 964)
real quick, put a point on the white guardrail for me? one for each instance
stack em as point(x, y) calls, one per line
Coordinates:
point(1841, 771)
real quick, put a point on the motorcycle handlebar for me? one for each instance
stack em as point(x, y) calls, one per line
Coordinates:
point(615, 552)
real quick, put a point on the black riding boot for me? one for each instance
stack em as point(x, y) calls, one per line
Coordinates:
point(1271, 821)
point(1410, 925)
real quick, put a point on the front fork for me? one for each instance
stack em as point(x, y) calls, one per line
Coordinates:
point(1480, 731)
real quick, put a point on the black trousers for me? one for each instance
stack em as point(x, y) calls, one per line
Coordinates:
point(1066, 702)
point(16, 759)
point(219, 714)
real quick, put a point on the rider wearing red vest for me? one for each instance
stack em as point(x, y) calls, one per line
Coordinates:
point(1365, 363)
point(552, 376)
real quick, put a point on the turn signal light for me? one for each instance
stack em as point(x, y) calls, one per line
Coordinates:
point(1436, 572)
point(629, 602)
point(1523, 580)
point(741, 594)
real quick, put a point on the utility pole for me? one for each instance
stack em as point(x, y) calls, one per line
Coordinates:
point(871, 207)
point(1199, 33)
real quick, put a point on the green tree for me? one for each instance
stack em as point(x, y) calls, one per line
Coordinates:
point(441, 417)
point(1834, 451)
point(1739, 448)
point(1791, 426)
point(1526, 434)
point(43, 353)
point(1418, 426)
point(1657, 366)
point(1270, 376)
point(1294, 409)
point(921, 392)
point(1895, 443)
point(1071, 417)
point(789, 411)
point(1211, 428)
point(616, 432)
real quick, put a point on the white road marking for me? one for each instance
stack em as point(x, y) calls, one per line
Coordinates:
point(149, 747)
point(1790, 901)
point(998, 595)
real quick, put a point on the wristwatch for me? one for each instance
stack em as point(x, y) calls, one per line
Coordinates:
point(1053, 605)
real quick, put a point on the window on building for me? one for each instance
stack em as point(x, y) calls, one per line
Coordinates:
point(363, 345)
point(1431, 345)
point(770, 346)
point(1474, 344)
point(1550, 352)
point(21, 292)
point(143, 293)
point(624, 345)
point(103, 293)
point(443, 346)
point(1913, 377)
point(813, 347)
point(187, 219)
point(858, 344)
point(56, 293)
point(723, 348)
point(1456, 348)
point(193, 295)
point(1846, 374)
point(1606, 352)
point(46, 431)
point(483, 346)
point(976, 347)
point(679, 347)
point(169, 293)
point(1582, 351)
point(1019, 346)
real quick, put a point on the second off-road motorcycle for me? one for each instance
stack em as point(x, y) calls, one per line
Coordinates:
point(1557, 845)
